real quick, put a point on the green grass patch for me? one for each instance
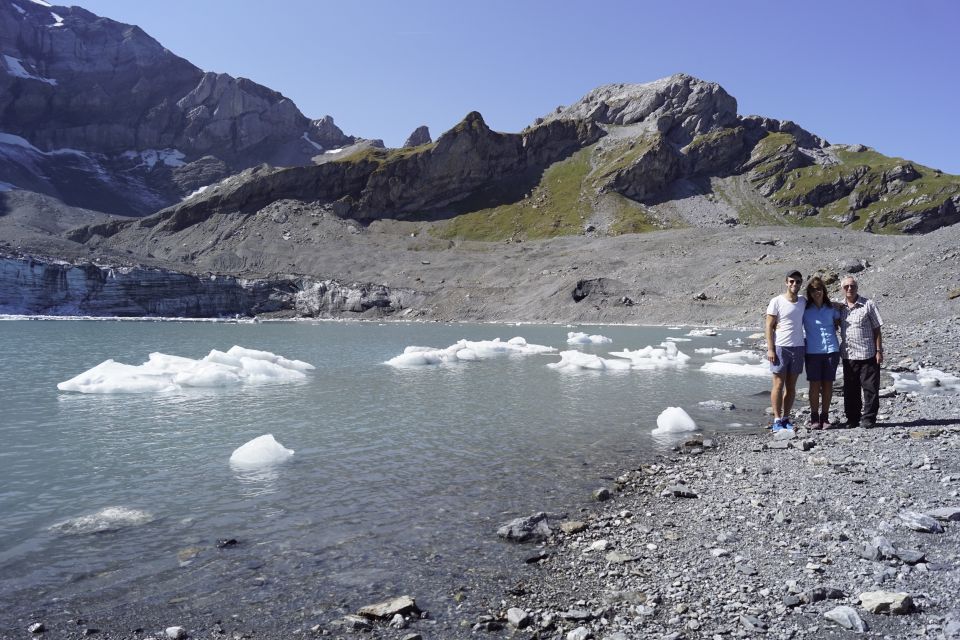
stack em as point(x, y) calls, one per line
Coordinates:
point(630, 217)
point(553, 208)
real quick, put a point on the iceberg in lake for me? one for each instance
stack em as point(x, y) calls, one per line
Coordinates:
point(107, 519)
point(577, 337)
point(700, 333)
point(163, 373)
point(577, 360)
point(926, 381)
point(674, 420)
point(650, 357)
point(465, 351)
point(263, 451)
point(738, 363)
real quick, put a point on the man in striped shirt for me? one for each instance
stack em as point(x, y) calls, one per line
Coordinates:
point(861, 347)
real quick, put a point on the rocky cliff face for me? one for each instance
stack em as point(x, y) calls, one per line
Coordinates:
point(98, 108)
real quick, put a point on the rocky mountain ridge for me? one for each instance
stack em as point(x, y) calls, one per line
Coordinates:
point(100, 115)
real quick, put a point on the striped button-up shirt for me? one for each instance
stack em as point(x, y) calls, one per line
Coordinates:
point(857, 324)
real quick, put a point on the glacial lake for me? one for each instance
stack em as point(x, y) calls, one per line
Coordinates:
point(399, 480)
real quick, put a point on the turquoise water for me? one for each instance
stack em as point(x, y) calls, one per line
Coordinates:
point(399, 479)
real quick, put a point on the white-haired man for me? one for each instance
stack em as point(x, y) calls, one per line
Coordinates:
point(861, 348)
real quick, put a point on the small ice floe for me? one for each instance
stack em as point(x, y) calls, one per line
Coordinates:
point(926, 381)
point(738, 363)
point(700, 333)
point(165, 373)
point(675, 339)
point(263, 451)
point(107, 519)
point(578, 337)
point(577, 360)
point(711, 350)
point(465, 351)
point(650, 357)
point(735, 342)
point(674, 420)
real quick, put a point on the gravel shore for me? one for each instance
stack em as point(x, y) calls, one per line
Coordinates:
point(816, 535)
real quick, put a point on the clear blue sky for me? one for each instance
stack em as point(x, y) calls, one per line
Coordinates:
point(878, 72)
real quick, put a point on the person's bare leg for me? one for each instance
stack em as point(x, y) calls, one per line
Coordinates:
point(776, 396)
point(814, 401)
point(789, 393)
point(826, 393)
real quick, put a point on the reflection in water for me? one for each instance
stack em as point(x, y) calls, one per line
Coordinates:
point(256, 481)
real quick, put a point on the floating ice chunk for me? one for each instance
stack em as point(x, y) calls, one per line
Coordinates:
point(650, 357)
point(730, 369)
point(577, 337)
point(738, 363)
point(465, 350)
point(926, 381)
point(240, 352)
point(697, 333)
point(163, 372)
point(709, 350)
point(576, 360)
point(263, 451)
point(740, 357)
point(673, 339)
point(674, 420)
point(107, 519)
point(114, 377)
point(735, 342)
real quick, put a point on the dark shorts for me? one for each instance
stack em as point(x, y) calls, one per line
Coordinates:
point(822, 367)
point(789, 361)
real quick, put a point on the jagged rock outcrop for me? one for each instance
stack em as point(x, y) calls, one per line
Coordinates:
point(679, 107)
point(420, 135)
point(129, 111)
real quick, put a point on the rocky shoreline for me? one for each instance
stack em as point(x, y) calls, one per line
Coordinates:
point(813, 534)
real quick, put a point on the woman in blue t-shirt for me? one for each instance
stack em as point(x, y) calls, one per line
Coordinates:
point(820, 321)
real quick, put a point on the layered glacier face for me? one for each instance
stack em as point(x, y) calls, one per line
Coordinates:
point(37, 287)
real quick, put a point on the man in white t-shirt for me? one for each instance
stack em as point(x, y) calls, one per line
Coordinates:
point(785, 348)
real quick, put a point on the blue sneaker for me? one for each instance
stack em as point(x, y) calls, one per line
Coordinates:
point(787, 423)
point(777, 425)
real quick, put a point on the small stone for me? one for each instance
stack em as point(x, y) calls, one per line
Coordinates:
point(803, 445)
point(175, 633)
point(412, 636)
point(886, 602)
point(572, 526)
point(920, 522)
point(753, 623)
point(602, 495)
point(580, 633)
point(746, 570)
point(398, 622)
point(784, 434)
point(847, 618)
point(617, 557)
point(224, 543)
point(356, 623)
point(818, 594)
point(945, 514)
point(778, 444)
point(577, 615)
point(599, 545)
point(518, 617)
point(791, 600)
point(678, 491)
point(36, 627)
point(389, 608)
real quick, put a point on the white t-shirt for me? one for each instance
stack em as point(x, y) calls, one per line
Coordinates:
point(789, 315)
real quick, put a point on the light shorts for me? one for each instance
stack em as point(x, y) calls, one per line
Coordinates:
point(822, 367)
point(789, 361)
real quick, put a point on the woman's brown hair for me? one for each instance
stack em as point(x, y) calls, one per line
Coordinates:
point(817, 283)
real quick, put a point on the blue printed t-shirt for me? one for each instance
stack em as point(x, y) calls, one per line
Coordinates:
point(820, 330)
